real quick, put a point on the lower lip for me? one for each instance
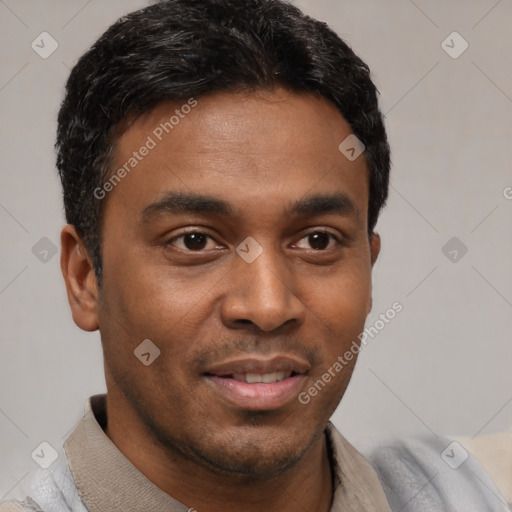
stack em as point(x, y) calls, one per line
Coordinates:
point(258, 396)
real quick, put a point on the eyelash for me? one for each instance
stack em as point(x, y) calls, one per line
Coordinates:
point(185, 233)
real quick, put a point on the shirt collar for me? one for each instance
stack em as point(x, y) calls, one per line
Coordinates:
point(107, 480)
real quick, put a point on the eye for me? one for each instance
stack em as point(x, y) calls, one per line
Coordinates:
point(319, 240)
point(191, 241)
point(195, 241)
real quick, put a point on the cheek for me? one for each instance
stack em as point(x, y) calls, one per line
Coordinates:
point(165, 293)
point(159, 304)
point(339, 310)
point(343, 299)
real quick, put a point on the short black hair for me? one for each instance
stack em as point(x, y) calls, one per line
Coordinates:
point(178, 49)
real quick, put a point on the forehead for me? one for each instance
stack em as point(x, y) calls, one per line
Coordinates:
point(246, 148)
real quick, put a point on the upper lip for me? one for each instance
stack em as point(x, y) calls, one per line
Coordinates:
point(259, 365)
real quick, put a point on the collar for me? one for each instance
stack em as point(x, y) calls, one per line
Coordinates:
point(107, 480)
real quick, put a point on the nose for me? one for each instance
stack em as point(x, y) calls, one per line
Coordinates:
point(262, 294)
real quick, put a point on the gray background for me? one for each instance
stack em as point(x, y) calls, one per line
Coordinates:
point(441, 366)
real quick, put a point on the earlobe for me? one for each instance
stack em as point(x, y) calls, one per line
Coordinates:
point(81, 284)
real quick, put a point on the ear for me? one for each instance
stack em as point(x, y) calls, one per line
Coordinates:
point(374, 247)
point(374, 254)
point(81, 285)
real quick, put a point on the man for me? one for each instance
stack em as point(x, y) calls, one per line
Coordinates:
point(224, 164)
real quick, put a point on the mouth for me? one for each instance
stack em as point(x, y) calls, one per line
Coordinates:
point(266, 378)
point(258, 384)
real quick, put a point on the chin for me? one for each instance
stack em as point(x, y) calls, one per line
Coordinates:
point(254, 452)
point(247, 459)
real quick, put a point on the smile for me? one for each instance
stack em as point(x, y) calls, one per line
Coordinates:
point(258, 384)
point(267, 378)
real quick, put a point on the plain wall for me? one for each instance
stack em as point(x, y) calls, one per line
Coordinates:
point(442, 365)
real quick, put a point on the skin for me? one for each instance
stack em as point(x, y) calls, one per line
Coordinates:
point(260, 153)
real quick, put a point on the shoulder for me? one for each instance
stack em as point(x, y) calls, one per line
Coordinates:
point(434, 473)
point(47, 490)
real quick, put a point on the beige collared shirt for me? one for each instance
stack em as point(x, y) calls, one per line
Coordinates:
point(107, 481)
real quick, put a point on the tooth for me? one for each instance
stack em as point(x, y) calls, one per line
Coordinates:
point(239, 376)
point(251, 378)
point(269, 377)
point(280, 375)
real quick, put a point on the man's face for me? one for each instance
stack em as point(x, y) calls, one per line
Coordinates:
point(178, 270)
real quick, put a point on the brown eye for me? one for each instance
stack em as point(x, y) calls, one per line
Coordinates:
point(193, 241)
point(318, 240)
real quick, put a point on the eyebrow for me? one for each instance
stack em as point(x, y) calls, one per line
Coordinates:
point(313, 205)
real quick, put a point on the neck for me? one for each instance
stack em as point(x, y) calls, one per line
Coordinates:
point(305, 486)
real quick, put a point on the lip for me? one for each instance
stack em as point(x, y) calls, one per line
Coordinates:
point(279, 363)
point(258, 396)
